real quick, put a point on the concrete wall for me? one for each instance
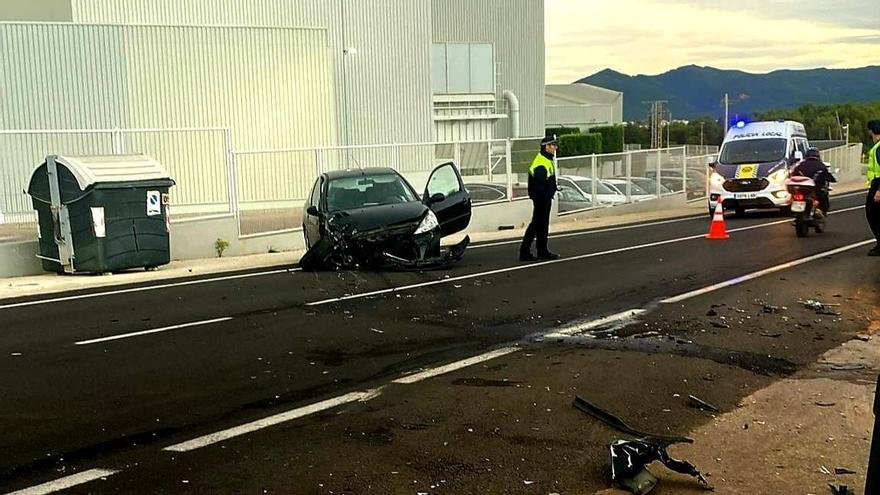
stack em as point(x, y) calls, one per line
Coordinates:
point(19, 259)
point(195, 239)
point(670, 202)
point(36, 10)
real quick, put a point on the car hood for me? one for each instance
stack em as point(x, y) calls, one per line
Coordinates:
point(377, 218)
point(749, 170)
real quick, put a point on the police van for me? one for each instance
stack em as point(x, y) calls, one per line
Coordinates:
point(753, 165)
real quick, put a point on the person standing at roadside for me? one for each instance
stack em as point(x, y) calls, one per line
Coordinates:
point(872, 202)
point(542, 188)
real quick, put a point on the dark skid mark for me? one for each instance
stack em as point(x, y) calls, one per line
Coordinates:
point(482, 382)
point(761, 364)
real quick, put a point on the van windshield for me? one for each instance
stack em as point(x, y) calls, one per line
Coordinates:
point(753, 151)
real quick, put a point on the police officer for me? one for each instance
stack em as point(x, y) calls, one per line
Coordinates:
point(872, 203)
point(542, 188)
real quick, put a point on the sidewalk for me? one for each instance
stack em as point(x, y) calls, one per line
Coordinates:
point(51, 283)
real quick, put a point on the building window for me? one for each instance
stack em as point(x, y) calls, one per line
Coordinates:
point(462, 68)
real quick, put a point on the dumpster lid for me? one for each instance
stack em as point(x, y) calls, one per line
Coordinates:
point(91, 170)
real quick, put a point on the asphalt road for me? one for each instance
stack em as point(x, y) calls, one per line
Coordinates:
point(213, 355)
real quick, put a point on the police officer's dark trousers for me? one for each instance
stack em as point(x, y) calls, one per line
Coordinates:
point(539, 227)
point(872, 210)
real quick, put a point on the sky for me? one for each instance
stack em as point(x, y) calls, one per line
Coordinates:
point(654, 36)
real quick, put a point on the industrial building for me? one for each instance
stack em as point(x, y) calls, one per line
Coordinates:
point(582, 105)
point(280, 73)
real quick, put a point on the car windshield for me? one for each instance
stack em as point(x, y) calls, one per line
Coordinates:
point(752, 151)
point(586, 186)
point(650, 186)
point(572, 195)
point(347, 193)
point(634, 189)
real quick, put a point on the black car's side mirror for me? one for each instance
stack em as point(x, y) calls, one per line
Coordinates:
point(312, 210)
point(437, 198)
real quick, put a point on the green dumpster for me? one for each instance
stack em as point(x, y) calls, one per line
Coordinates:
point(101, 214)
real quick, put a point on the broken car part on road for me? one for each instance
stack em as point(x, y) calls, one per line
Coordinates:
point(630, 458)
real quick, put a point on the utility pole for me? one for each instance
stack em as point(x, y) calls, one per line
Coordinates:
point(655, 120)
point(726, 112)
point(668, 126)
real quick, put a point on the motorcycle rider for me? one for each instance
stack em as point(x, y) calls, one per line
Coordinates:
point(813, 167)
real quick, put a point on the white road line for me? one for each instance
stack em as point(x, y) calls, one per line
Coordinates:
point(449, 368)
point(621, 318)
point(530, 266)
point(598, 231)
point(155, 330)
point(66, 482)
point(767, 271)
point(143, 289)
point(259, 424)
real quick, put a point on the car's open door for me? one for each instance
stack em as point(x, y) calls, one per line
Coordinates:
point(447, 197)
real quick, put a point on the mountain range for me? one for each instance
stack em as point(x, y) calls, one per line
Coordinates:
point(694, 91)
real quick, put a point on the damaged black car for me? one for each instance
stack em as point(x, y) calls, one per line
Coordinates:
point(373, 218)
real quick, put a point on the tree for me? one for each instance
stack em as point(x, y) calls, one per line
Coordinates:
point(821, 120)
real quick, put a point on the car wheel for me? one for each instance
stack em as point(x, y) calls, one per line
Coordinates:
point(740, 212)
point(786, 211)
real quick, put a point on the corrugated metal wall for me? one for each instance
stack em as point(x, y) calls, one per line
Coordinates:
point(516, 27)
point(579, 115)
point(271, 86)
point(384, 87)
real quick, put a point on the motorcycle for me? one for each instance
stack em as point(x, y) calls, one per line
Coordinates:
point(805, 206)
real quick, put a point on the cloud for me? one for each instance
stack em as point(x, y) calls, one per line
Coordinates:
point(653, 36)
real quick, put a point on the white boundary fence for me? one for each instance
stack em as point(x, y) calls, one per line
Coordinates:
point(264, 190)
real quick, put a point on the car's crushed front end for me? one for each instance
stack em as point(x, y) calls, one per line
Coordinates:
point(408, 245)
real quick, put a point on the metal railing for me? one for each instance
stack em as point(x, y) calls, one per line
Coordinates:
point(264, 190)
point(197, 158)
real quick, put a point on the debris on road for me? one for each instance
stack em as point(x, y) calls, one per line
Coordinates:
point(825, 404)
point(701, 404)
point(840, 471)
point(774, 335)
point(630, 458)
point(841, 490)
point(824, 470)
point(819, 307)
point(618, 424)
point(718, 324)
point(846, 366)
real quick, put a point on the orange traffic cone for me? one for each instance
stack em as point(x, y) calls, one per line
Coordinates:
point(717, 230)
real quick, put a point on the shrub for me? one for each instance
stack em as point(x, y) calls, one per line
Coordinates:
point(580, 144)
